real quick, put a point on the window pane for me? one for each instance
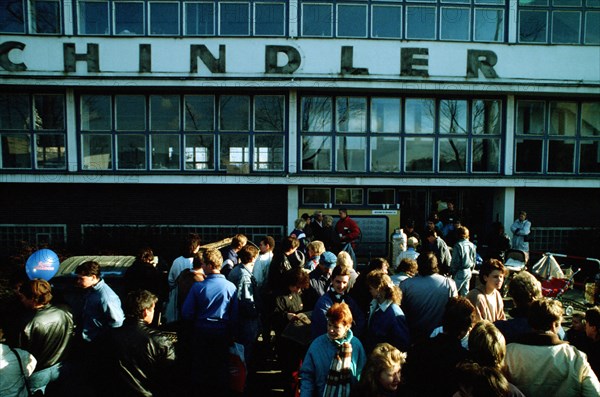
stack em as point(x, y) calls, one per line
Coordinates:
point(420, 116)
point(533, 26)
point(164, 18)
point(164, 112)
point(453, 155)
point(566, 27)
point(234, 153)
point(385, 154)
point(593, 3)
point(49, 112)
point(234, 19)
point(199, 19)
point(268, 112)
point(453, 116)
point(316, 114)
point(316, 20)
point(420, 22)
point(563, 118)
point(455, 23)
point(419, 154)
point(234, 113)
point(351, 114)
point(131, 151)
point(268, 153)
point(129, 18)
point(530, 117)
point(387, 21)
point(14, 112)
point(590, 119)
point(16, 151)
point(489, 2)
point(385, 115)
point(45, 16)
point(165, 152)
point(561, 156)
point(487, 116)
point(352, 20)
point(351, 153)
point(96, 113)
point(486, 155)
point(269, 19)
point(489, 25)
point(199, 152)
point(11, 16)
point(567, 3)
point(97, 152)
point(381, 196)
point(529, 155)
point(589, 160)
point(93, 17)
point(316, 195)
point(131, 112)
point(592, 27)
point(348, 196)
point(316, 153)
point(533, 2)
point(50, 150)
point(199, 112)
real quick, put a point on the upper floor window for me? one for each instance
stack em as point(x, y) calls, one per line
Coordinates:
point(31, 16)
point(233, 133)
point(396, 134)
point(177, 18)
point(466, 20)
point(32, 131)
point(557, 137)
point(559, 21)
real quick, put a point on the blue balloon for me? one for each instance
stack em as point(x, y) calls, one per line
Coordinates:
point(42, 264)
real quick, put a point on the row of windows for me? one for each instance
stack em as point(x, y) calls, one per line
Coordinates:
point(346, 134)
point(562, 22)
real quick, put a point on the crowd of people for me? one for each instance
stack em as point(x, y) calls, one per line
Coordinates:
point(418, 327)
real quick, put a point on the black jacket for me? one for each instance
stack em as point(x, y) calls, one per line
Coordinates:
point(47, 334)
point(143, 358)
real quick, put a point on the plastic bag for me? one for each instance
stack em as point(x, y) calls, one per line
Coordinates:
point(237, 368)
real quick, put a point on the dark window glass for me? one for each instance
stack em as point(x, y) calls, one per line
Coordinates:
point(268, 153)
point(200, 19)
point(11, 16)
point(348, 196)
point(235, 19)
point(566, 27)
point(316, 114)
point(164, 112)
point(316, 195)
point(420, 22)
point(96, 113)
point(589, 160)
point(381, 196)
point(592, 27)
point(234, 113)
point(529, 155)
point(199, 112)
point(131, 152)
point(561, 156)
point(455, 23)
point(487, 116)
point(16, 151)
point(46, 16)
point(97, 152)
point(234, 153)
point(351, 20)
point(486, 155)
point(164, 18)
point(531, 117)
point(316, 20)
point(131, 112)
point(533, 26)
point(269, 19)
point(49, 112)
point(489, 25)
point(129, 18)
point(268, 113)
point(387, 21)
point(50, 150)
point(165, 152)
point(14, 112)
point(93, 17)
point(316, 153)
point(199, 152)
point(419, 154)
point(453, 155)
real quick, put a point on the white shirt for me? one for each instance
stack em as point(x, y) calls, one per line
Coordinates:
point(12, 383)
point(261, 268)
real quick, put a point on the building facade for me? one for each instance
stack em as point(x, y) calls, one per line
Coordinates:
point(222, 116)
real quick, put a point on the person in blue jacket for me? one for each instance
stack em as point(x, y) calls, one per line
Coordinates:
point(387, 322)
point(334, 360)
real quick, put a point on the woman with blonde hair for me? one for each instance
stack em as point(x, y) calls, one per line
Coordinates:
point(381, 375)
point(387, 322)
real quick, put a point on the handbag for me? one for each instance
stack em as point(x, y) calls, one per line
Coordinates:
point(25, 378)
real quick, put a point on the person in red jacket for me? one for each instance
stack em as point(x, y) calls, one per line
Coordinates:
point(347, 228)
